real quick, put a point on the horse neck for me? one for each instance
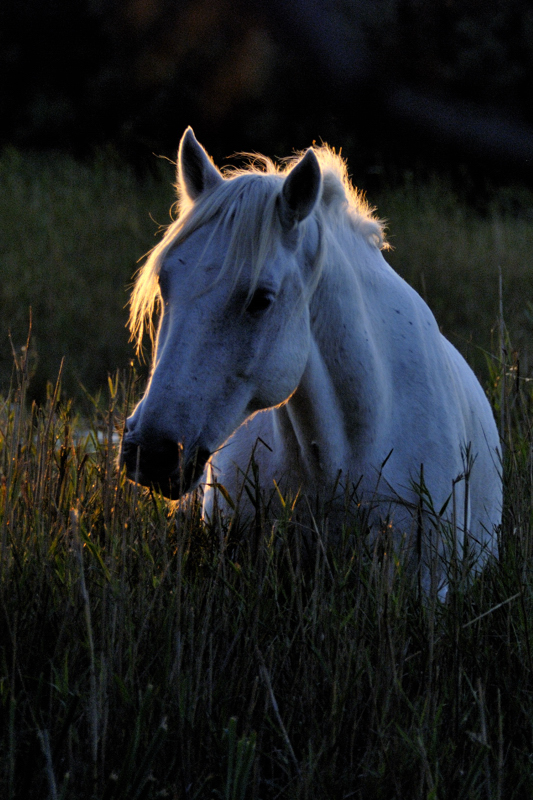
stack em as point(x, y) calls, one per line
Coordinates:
point(336, 407)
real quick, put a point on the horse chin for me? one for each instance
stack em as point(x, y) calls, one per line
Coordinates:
point(173, 491)
point(171, 487)
point(178, 486)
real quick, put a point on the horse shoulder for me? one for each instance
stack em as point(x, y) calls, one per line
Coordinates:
point(254, 441)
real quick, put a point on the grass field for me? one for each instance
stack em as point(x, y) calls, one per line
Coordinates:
point(146, 655)
point(71, 235)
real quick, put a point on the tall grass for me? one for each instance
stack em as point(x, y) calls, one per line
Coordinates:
point(70, 236)
point(144, 654)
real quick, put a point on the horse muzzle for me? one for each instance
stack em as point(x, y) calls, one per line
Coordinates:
point(163, 466)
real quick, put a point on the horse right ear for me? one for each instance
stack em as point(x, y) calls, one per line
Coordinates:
point(196, 171)
point(301, 191)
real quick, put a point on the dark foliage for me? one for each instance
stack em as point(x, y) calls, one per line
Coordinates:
point(272, 76)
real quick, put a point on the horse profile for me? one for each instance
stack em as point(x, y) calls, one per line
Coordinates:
point(285, 335)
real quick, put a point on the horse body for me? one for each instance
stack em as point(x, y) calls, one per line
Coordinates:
point(293, 340)
point(385, 401)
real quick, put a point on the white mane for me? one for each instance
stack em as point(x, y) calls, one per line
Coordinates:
point(247, 198)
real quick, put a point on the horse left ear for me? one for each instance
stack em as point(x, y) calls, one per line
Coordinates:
point(196, 172)
point(301, 191)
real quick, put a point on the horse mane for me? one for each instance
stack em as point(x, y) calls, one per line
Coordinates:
point(248, 197)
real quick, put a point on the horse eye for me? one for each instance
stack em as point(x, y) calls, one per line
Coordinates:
point(260, 301)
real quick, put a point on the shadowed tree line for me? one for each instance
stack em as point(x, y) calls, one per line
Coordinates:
point(393, 80)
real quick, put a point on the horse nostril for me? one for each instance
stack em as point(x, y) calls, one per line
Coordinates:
point(129, 426)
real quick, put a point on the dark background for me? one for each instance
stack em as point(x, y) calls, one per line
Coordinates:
point(398, 84)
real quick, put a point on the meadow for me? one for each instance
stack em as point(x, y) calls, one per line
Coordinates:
point(144, 654)
point(72, 234)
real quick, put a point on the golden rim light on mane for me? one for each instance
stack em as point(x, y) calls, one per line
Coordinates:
point(248, 197)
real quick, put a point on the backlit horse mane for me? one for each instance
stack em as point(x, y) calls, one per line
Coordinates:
point(248, 197)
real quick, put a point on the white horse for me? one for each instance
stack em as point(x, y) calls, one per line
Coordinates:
point(284, 334)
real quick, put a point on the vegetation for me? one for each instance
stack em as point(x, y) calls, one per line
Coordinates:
point(144, 654)
point(71, 235)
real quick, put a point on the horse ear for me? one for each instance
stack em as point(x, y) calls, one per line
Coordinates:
point(301, 191)
point(196, 171)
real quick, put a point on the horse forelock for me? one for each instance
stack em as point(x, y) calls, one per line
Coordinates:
point(246, 204)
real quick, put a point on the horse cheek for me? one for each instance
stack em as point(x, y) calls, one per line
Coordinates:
point(283, 370)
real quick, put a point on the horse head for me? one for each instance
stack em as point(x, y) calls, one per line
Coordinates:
point(234, 331)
